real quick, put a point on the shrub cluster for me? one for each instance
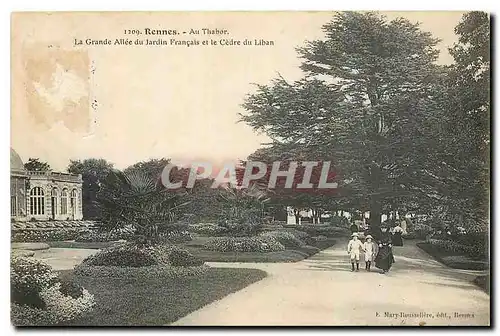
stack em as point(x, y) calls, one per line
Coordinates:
point(156, 271)
point(95, 236)
point(37, 236)
point(208, 229)
point(244, 244)
point(135, 255)
point(324, 230)
point(475, 251)
point(420, 231)
point(287, 239)
point(40, 298)
point(176, 237)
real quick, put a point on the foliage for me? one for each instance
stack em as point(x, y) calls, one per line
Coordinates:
point(448, 245)
point(372, 101)
point(209, 229)
point(244, 209)
point(40, 298)
point(35, 236)
point(156, 271)
point(94, 236)
point(93, 172)
point(287, 239)
point(28, 277)
point(420, 231)
point(175, 237)
point(181, 257)
point(34, 164)
point(137, 200)
point(126, 255)
point(244, 244)
point(326, 230)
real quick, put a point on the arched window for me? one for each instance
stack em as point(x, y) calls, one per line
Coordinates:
point(73, 201)
point(37, 201)
point(64, 202)
point(54, 201)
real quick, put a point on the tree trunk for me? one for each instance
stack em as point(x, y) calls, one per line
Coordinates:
point(375, 213)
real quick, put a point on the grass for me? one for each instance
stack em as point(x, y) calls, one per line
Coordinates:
point(80, 245)
point(290, 255)
point(453, 259)
point(153, 301)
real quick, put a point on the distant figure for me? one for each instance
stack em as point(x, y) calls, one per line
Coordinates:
point(354, 250)
point(404, 226)
point(384, 258)
point(354, 228)
point(397, 240)
point(369, 247)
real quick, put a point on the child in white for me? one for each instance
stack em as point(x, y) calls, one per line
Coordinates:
point(354, 250)
point(369, 248)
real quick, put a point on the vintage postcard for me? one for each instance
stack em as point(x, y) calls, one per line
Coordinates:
point(250, 169)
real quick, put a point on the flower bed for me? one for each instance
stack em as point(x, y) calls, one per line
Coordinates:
point(287, 239)
point(40, 298)
point(244, 244)
point(36, 236)
point(209, 229)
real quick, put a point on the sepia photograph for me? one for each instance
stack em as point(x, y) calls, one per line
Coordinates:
point(250, 169)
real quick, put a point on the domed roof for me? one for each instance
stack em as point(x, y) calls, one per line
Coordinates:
point(15, 161)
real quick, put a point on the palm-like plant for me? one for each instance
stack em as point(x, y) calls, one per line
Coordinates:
point(135, 199)
point(244, 206)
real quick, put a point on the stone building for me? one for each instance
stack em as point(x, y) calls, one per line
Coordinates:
point(43, 195)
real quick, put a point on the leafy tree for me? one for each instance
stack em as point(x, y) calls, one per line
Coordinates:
point(467, 146)
point(152, 168)
point(369, 102)
point(93, 171)
point(34, 164)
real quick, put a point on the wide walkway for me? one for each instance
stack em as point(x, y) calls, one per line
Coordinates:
point(323, 291)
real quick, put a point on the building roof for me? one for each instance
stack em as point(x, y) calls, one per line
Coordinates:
point(15, 161)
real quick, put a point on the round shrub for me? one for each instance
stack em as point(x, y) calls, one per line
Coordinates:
point(28, 277)
point(123, 255)
point(181, 257)
point(244, 244)
point(287, 239)
point(38, 298)
point(208, 229)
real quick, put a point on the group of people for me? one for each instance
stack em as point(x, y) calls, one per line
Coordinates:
point(377, 249)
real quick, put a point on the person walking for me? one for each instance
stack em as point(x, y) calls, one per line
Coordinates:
point(354, 249)
point(384, 258)
point(369, 247)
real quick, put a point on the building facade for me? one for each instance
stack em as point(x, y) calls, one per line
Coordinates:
point(43, 195)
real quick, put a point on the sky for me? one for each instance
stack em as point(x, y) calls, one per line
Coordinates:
point(132, 103)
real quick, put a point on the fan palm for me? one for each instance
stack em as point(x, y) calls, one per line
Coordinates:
point(135, 199)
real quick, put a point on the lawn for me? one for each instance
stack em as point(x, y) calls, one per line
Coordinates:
point(80, 245)
point(290, 255)
point(453, 259)
point(153, 301)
